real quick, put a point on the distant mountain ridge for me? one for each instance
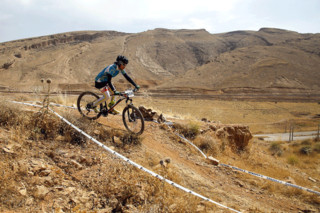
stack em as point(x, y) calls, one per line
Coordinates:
point(268, 61)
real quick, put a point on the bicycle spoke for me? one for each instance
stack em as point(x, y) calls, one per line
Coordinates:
point(133, 120)
point(84, 104)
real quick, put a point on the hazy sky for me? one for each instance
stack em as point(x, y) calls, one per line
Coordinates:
point(30, 18)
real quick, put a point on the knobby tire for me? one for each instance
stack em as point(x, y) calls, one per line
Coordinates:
point(132, 116)
point(81, 105)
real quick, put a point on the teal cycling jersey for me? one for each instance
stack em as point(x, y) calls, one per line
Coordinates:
point(110, 70)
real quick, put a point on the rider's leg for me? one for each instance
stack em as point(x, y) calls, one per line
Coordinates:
point(105, 96)
point(112, 102)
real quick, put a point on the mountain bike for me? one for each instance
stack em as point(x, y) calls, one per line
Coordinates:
point(131, 116)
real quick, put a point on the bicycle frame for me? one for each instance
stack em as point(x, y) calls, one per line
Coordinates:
point(131, 116)
point(120, 100)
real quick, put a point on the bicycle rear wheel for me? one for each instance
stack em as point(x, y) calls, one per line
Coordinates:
point(133, 120)
point(84, 104)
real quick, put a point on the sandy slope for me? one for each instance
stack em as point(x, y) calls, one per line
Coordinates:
point(72, 167)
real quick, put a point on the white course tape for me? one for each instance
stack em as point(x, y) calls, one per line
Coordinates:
point(16, 102)
point(225, 165)
point(170, 123)
point(141, 167)
point(255, 174)
point(60, 105)
point(192, 145)
point(269, 178)
point(132, 162)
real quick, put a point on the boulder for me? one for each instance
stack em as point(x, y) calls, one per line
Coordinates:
point(238, 136)
point(41, 191)
point(150, 115)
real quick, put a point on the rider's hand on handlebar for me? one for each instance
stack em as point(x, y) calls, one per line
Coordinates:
point(137, 88)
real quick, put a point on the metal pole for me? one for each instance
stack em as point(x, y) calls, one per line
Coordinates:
point(290, 128)
point(292, 133)
point(318, 138)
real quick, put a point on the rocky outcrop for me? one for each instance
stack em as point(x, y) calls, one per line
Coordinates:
point(150, 115)
point(7, 65)
point(54, 40)
point(238, 136)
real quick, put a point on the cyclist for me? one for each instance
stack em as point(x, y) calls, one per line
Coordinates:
point(103, 81)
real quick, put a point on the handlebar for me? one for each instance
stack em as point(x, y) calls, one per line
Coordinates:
point(128, 92)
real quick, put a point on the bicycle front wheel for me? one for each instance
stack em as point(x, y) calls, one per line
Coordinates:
point(84, 104)
point(133, 120)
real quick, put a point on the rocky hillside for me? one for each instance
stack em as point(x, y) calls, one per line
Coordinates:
point(268, 61)
point(47, 166)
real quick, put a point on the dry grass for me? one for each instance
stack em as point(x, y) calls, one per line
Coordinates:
point(208, 144)
point(276, 149)
point(263, 117)
point(190, 130)
point(115, 186)
point(293, 160)
point(119, 186)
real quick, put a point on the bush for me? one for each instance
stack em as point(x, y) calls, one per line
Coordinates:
point(306, 150)
point(276, 149)
point(293, 160)
point(131, 139)
point(190, 130)
point(207, 144)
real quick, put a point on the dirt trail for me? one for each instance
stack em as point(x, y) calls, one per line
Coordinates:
point(187, 167)
point(224, 185)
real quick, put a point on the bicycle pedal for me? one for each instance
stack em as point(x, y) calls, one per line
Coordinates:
point(104, 112)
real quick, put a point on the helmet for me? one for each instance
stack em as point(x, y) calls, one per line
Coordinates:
point(122, 60)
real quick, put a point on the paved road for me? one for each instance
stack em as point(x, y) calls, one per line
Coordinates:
point(285, 136)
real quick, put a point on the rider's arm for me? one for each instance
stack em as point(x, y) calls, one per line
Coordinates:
point(129, 79)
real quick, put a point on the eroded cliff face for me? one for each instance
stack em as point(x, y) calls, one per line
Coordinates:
point(73, 38)
point(62, 38)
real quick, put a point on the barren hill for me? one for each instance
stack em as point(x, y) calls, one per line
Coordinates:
point(268, 61)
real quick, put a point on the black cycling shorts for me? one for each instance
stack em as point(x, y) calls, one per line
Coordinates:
point(99, 85)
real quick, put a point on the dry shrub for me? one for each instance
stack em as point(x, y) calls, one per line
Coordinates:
point(9, 115)
point(296, 193)
point(306, 150)
point(190, 130)
point(131, 139)
point(292, 160)
point(116, 184)
point(207, 144)
point(291, 192)
point(276, 149)
point(43, 125)
point(122, 186)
